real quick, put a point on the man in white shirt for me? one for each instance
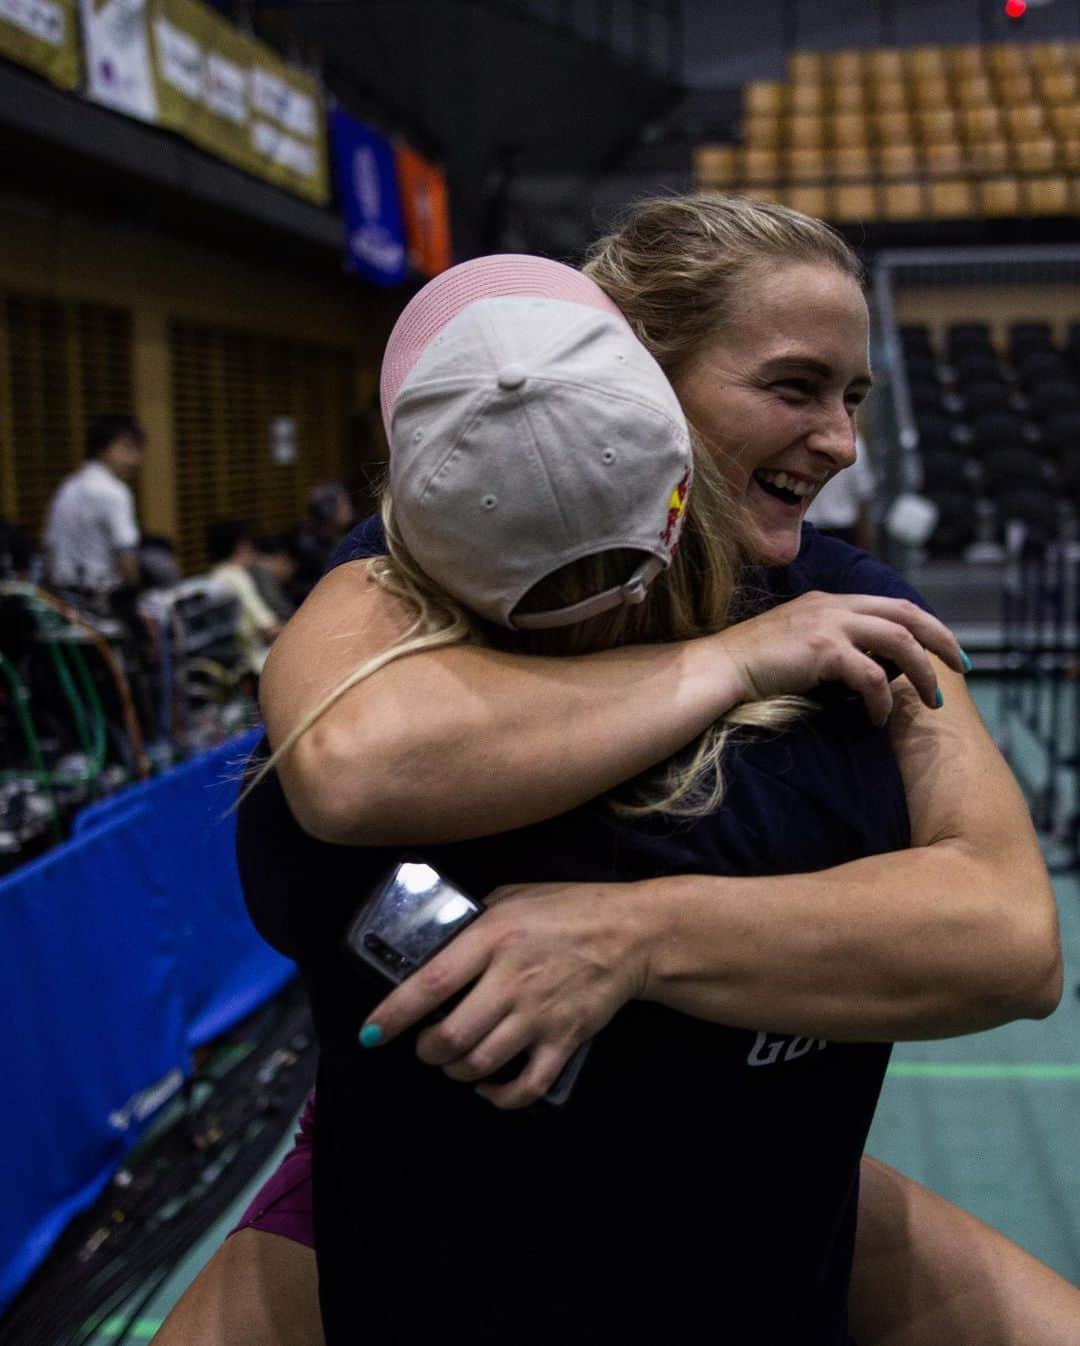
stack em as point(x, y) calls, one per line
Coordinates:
point(91, 534)
point(842, 508)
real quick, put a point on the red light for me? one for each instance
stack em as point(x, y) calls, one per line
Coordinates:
point(1016, 9)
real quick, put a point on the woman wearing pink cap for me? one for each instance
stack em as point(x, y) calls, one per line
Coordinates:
point(697, 1175)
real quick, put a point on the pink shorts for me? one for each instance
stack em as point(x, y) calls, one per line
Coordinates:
point(283, 1204)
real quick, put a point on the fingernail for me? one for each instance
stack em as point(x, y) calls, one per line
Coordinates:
point(965, 661)
point(939, 700)
point(370, 1035)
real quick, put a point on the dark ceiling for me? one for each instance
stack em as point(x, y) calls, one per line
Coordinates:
point(489, 89)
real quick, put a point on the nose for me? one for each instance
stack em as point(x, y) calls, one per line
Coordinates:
point(834, 436)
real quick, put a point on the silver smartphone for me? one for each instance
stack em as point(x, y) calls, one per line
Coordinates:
point(411, 915)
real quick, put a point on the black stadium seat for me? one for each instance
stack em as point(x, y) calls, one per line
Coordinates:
point(978, 367)
point(955, 527)
point(935, 432)
point(1054, 398)
point(1038, 366)
point(945, 469)
point(1037, 509)
point(1029, 336)
point(1010, 469)
point(920, 365)
point(998, 430)
point(1061, 433)
point(1069, 473)
point(965, 335)
point(925, 397)
point(986, 396)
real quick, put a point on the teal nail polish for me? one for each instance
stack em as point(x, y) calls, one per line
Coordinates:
point(939, 700)
point(370, 1035)
point(965, 661)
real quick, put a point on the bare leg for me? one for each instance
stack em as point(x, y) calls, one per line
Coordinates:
point(258, 1289)
point(928, 1274)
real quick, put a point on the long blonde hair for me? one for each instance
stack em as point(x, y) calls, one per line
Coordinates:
point(672, 268)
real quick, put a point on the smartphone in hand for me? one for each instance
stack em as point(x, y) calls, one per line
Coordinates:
point(411, 915)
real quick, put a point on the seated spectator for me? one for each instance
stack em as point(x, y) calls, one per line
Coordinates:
point(330, 516)
point(157, 562)
point(274, 570)
point(91, 534)
point(233, 552)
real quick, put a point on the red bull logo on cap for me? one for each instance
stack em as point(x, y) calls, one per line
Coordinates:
point(676, 510)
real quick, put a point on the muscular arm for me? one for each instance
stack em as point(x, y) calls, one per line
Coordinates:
point(462, 742)
point(955, 935)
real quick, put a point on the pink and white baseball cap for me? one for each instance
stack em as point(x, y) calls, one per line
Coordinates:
point(529, 428)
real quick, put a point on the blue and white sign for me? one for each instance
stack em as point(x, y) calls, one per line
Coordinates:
point(367, 188)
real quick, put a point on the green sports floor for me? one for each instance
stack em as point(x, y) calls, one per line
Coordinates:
point(991, 1121)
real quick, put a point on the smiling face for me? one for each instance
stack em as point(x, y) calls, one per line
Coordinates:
point(774, 396)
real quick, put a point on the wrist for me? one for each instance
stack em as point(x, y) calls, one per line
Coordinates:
point(649, 929)
point(716, 674)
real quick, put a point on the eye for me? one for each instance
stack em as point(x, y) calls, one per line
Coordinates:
point(796, 390)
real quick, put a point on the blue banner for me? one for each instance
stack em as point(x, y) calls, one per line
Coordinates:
point(120, 951)
point(370, 203)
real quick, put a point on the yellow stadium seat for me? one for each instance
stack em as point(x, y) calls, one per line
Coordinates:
point(764, 96)
point(1065, 120)
point(979, 123)
point(898, 161)
point(885, 64)
point(714, 165)
point(974, 91)
point(889, 95)
point(951, 199)
point(854, 202)
point(763, 192)
point(893, 127)
point(844, 67)
point(1035, 156)
point(804, 165)
point(1016, 90)
point(810, 200)
point(999, 196)
point(806, 132)
point(966, 60)
point(1069, 150)
point(848, 128)
point(1046, 196)
point(945, 160)
point(1008, 58)
point(988, 156)
point(804, 97)
point(1056, 88)
point(760, 166)
point(1026, 122)
point(852, 163)
point(849, 96)
point(903, 201)
point(762, 132)
point(936, 127)
point(1049, 57)
point(806, 65)
point(925, 61)
point(931, 91)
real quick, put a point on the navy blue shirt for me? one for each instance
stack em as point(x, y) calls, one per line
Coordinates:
point(702, 1181)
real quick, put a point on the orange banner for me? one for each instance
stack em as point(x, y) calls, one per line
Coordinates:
point(426, 208)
